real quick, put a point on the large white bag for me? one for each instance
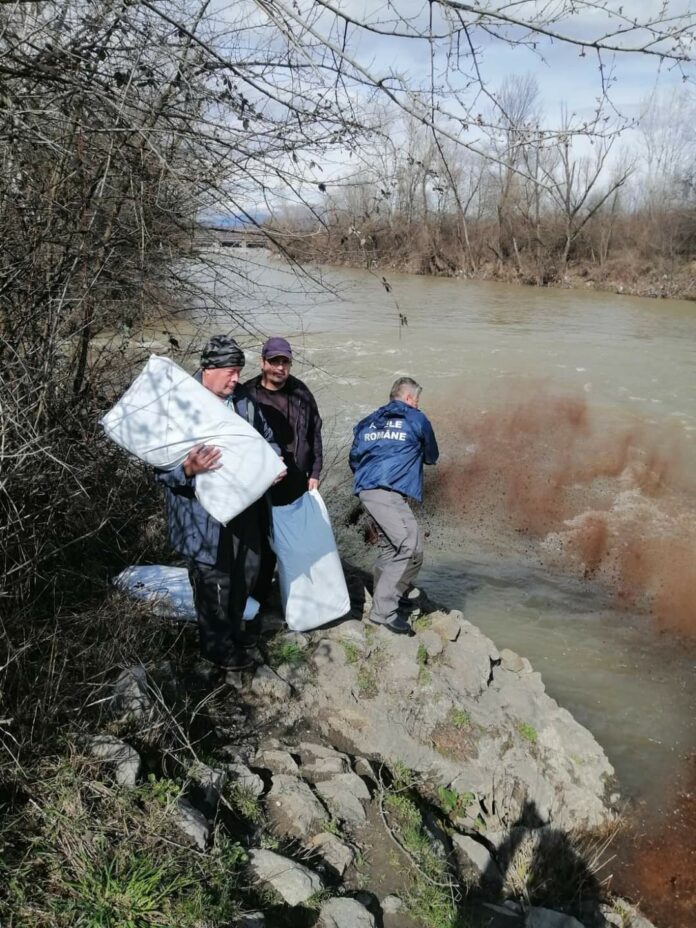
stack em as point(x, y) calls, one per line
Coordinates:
point(165, 413)
point(312, 585)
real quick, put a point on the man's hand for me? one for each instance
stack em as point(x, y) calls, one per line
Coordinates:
point(201, 459)
point(313, 483)
point(280, 477)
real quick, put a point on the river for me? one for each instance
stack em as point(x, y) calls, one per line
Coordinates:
point(561, 517)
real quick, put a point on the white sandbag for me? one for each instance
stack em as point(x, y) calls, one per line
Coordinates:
point(312, 586)
point(165, 413)
point(168, 590)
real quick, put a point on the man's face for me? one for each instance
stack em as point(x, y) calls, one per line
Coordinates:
point(275, 372)
point(221, 380)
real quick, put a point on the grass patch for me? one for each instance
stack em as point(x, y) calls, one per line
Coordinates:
point(367, 682)
point(85, 854)
point(528, 732)
point(352, 651)
point(460, 718)
point(428, 898)
point(452, 802)
point(245, 802)
point(281, 651)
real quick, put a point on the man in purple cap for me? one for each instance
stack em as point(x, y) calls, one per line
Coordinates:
point(292, 413)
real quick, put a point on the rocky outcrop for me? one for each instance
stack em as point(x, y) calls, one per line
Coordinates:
point(449, 706)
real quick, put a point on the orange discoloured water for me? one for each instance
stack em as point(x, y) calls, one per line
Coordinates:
point(607, 501)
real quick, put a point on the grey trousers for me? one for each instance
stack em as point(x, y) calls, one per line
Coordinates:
point(401, 550)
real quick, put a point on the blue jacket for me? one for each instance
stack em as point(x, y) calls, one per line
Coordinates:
point(192, 532)
point(389, 449)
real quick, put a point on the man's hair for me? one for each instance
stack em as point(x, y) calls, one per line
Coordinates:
point(405, 385)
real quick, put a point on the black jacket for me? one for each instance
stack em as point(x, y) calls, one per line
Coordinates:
point(303, 417)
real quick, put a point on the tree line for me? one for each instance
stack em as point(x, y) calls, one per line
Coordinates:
point(532, 204)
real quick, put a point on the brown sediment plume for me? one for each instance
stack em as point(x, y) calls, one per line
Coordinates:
point(658, 861)
point(603, 498)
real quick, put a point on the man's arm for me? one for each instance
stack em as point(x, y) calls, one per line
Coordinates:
point(430, 450)
point(317, 445)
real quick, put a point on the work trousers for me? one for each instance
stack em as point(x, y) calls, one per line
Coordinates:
point(401, 550)
point(220, 590)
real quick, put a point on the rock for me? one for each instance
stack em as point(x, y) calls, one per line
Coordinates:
point(246, 779)
point(391, 905)
point(364, 768)
point(235, 679)
point(321, 763)
point(211, 780)
point(294, 882)
point(448, 625)
point(293, 674)
point(475, 862)
point(277, 762)
point(344, 913)
point(132, 693)
point(293, 809)
point(344, 794)
point(192, 822)
point(547, 918)
point(267, 683)
point(432, 642)
point(513, 662)
point(252, 920)
point(328, 654)
point(324, 767)
point(336, 853)
point(124, 758)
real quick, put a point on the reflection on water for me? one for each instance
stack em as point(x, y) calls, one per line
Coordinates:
point(483, 350)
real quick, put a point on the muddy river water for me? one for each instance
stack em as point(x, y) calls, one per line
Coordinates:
point(562, 516)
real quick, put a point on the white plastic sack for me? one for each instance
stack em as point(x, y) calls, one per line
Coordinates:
point(165, 413)
point(312, 586)
point(168, 590)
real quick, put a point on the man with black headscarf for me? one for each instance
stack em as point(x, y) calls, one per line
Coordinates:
point(223, 560)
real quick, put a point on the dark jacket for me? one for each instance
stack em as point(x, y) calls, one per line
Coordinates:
point(193, 533)
point(389, 449)
point(305, 445)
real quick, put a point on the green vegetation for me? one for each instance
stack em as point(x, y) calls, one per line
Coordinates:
point(528, 732)
point(367, 682)
point(281, 651)
point(351, 650)
point(429, 898)
point(460, 718)
point(245, 802)
point(85, 854)
point(453, 802)
point(422, 659)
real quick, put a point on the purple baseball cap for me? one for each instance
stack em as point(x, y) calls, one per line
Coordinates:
point(276, 347)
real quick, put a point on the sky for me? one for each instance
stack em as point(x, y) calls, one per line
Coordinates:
point(568, 79)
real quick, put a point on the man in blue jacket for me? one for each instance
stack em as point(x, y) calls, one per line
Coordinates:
point(389, 449)
point(223, 560)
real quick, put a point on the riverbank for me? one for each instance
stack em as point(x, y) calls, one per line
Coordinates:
point(355, 778)
point(627, 274)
